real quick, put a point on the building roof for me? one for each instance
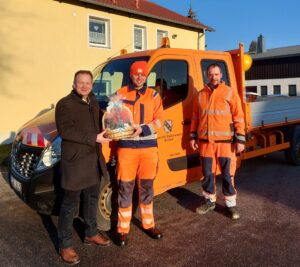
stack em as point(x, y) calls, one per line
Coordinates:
point(150, 10)
point(288, 51)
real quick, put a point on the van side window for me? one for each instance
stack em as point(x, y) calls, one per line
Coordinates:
point(206, 62)
point(170, 79)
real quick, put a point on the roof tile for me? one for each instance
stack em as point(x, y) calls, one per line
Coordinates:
point(149, 9)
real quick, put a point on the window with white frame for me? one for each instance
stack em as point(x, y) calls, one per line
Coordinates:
point(292, 90)
point(264, 90)
point(161, 34)
point(99, 31)
point(140, 38)
point(276, 89)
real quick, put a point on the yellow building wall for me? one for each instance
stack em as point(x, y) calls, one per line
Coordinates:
point(44, 42)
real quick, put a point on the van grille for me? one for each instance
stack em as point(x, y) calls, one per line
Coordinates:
point(25, 159)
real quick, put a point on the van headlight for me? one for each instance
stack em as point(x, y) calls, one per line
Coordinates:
point(50, 155)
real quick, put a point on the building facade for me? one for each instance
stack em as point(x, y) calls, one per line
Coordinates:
point(44, 42)
point(274, 71)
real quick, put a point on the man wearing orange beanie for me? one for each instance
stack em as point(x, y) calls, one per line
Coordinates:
point(137, 155)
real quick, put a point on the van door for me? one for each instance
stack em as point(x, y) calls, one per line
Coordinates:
point(172, 78)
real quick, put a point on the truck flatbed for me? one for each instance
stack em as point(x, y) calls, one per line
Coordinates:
point(270, 110)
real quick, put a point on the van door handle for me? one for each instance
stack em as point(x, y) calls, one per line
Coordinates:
point(186, 122)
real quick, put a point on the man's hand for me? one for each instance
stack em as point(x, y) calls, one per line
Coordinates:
point(239, 148)
point(101, 139)
point(194, 144)
point(138, 130)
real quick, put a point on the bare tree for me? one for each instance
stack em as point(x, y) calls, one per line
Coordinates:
point(253, 46)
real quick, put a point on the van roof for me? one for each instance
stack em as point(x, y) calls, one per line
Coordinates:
point(164, 51)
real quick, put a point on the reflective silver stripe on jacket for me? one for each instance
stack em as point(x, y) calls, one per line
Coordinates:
point(141, 138)
point(241, 120)
point(156, 123)
point(215, 133)
point(216, 112)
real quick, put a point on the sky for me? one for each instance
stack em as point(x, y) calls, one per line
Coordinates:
point(236, 21)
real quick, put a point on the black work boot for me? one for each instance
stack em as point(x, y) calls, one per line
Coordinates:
point(154, 233)
point(233, 212)
point(122, 239)
point(206, 207)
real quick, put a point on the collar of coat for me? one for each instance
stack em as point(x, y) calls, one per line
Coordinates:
point(132, 88)
point(220, 85)
point(79, 97)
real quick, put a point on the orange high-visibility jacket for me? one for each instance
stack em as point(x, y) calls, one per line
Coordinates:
point(147, 110)
point(218, 115)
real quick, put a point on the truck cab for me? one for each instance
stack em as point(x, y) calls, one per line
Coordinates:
point(177, 75)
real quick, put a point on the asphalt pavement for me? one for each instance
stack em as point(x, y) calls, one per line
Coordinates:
point(268, 233)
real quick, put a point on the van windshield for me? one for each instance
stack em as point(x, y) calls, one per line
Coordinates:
point(111, 77)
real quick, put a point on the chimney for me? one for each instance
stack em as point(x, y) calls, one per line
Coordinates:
point(137, 2)
point(261, 46)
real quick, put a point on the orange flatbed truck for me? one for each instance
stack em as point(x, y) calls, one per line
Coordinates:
point(177, 74)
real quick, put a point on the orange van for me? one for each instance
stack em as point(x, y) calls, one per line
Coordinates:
point(177, 74)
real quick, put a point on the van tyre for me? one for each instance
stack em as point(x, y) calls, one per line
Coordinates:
point(293, 153)
point(104, 205)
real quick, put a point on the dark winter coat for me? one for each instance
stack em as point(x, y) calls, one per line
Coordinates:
point(78, 124)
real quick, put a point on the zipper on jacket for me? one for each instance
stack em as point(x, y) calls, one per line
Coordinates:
point(211, 96)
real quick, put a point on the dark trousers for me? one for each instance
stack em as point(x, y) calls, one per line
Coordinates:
point(69, 208)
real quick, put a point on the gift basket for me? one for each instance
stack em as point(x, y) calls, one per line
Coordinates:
point(117, 120)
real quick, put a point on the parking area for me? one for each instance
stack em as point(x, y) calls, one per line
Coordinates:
point(266, 235)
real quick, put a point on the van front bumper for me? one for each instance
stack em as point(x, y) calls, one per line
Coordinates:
point(41, 191)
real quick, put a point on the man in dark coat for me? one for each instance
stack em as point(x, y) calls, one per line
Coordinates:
point(77, 121)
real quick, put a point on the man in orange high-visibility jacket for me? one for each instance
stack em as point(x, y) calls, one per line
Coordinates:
point(218, 131)
point(137, 155)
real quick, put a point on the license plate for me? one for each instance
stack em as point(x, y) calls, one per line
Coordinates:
point(16, 184)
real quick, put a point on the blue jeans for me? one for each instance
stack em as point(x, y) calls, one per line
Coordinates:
point(68, 210)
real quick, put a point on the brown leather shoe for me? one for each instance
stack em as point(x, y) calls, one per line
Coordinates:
point(69, 256)
point(98, 240)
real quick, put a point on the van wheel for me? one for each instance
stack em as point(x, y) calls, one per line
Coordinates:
point(293, 153)
point(104, 206)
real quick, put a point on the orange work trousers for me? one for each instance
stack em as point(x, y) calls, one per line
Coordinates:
point(212, 156)
point(140, 164)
